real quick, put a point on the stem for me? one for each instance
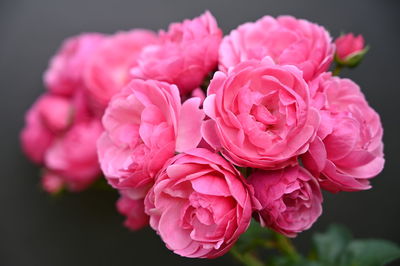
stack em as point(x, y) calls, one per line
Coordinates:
point(285, 245)
point(337, 70)
point(247, 259)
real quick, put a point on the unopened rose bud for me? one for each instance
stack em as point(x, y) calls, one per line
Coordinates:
point(350, 49)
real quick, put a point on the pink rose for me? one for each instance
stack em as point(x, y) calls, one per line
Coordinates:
point(60, 134)
point(259, 114)
point(133, 209)
point(348, 46)
point(61, 127)
point(65, 71)
point(74, 157)
point(107, 71)
point(199, 204)
point(290, 199)
point(348, 150)
point(144, 125)
point(289, 41)
point(185, 54)
point(48, 116)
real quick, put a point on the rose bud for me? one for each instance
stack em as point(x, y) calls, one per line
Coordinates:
point(133, 210)
point(260, 115)
point(290, 199)
point(287, 40)
point(199, 204)
point(185, 55)
point(348, 149)
point(350, 49)
point(145, 124)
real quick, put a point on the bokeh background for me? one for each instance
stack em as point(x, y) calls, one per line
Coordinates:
point(85, 229)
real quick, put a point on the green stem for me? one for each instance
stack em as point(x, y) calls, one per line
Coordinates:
point(285, 245)
point(337, 70)
point(247, 259)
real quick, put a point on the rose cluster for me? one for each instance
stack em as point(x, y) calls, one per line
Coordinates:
point(200, 132)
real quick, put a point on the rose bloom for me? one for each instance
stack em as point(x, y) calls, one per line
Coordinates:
point(289, 41)
point(144, 125)
point(259, 114)
point(60, 134)
point(199, 204)
point(107, 70)
point(348, 149)
point(73, 156)
point(65, 71)
point(290, 199)
point(185, 54)
point(133, 210)
point(349, 45)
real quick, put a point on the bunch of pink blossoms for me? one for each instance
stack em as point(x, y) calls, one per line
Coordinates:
point(196, 159)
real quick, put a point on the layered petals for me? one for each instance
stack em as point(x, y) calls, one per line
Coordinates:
point(290, 199)
point(65, 73)
point(287, 40)
point(107, 70)
point(348, 150)
point(200, 204)
point(74, 156)
point(185, 54)
point(144, 125)
point(260, 115)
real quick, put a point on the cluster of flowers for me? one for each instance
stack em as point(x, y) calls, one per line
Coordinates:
point(197, 158)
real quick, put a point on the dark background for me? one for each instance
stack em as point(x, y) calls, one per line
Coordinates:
point(84, 229)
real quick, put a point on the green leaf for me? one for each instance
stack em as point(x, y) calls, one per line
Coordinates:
point(370, 252)
point(329, 246)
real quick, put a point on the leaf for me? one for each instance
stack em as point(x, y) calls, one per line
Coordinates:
point(370, 252)
point(329, 246)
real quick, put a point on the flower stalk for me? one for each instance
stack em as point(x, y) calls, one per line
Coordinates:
point(246, 258)
point(336, 71)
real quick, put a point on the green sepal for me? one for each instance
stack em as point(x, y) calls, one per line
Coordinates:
point(352, 60)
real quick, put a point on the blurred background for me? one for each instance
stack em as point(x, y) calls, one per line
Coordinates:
point(85, 229)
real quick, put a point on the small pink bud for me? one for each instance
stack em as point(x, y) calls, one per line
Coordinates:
point(350, 49)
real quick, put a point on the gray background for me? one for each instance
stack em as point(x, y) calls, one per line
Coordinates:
point(84, 229)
